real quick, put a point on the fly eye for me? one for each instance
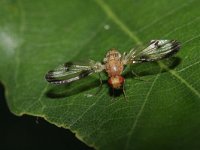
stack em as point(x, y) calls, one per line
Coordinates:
point(110, 81)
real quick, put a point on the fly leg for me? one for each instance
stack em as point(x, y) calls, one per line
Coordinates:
point(99, 88)
point(113, 94)
point(137, 76)
point(101, 83)
point(123, 90)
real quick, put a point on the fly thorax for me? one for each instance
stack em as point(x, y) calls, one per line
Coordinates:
point(113, 63)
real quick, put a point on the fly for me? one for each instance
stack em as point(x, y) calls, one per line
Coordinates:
point(113, 63)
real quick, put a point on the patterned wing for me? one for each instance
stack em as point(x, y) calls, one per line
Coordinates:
point(156, 50)
point(68, 73)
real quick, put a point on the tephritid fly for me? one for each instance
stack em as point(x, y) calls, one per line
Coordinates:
point(113, 64)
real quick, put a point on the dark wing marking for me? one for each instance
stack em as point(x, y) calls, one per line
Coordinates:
point(68, 73)
point(157, 50)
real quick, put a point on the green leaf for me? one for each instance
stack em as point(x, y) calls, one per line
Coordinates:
point(162, 112)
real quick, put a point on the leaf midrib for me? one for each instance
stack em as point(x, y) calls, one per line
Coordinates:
point(108, 11)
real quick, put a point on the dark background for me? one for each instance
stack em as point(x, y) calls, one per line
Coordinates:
point(26, 132)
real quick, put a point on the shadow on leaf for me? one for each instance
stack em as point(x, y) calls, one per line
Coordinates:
point(86, 84)
point(151, 68)
point(61, 91)
point(115, 92)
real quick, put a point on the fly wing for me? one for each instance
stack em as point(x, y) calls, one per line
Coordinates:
point(68, 73)
point(156, 50)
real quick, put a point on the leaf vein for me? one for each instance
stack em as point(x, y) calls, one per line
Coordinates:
point(140, 112)
point(88, 109)
point(21, 29)
point(189, 66)
point(175, 74)
point(114, 17)
point(133, 36)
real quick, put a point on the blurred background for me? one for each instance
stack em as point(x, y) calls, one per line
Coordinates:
point(30, 133)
